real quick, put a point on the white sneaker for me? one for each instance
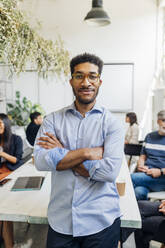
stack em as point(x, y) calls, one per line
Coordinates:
point(24, 245)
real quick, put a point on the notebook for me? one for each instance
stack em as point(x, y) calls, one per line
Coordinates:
point(28, 183)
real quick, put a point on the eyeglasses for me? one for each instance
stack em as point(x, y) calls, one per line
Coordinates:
point(92, 78)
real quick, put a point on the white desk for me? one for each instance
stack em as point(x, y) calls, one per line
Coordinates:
point(128, 204)
point(31, 206)
point(25, 206)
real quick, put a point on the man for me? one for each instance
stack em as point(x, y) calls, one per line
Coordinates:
point(33, 127)
point(82, 146)
point(151, 164)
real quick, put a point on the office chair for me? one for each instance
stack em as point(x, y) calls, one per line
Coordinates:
point(132, 150)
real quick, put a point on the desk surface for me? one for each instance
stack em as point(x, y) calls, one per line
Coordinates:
point(31, 206)
point(128, 203)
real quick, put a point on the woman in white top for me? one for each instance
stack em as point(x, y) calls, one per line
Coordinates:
point(132, 133)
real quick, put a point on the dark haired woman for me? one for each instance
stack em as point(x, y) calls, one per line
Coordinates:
point(11, 149)
point(132, 133)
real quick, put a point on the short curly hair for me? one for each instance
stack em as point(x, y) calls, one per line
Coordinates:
point(86, 57)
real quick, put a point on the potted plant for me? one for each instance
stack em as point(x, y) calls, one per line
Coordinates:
point(20, 110)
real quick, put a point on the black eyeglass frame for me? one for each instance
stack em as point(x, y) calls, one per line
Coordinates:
point(97, 76)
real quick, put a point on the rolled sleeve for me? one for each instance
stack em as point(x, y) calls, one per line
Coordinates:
point(55, 155)
point(143, 150)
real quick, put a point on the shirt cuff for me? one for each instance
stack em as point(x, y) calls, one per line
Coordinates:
point(88, 164)
point(55, 155)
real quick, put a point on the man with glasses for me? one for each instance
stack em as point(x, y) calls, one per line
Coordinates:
point(82, 146)
point(151, 164)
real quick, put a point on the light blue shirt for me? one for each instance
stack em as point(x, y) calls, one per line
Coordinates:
point(78, 205)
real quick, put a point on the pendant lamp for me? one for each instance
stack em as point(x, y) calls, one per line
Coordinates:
point(97, 16)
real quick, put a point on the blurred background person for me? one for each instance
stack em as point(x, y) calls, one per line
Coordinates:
point(131, 139)
point(33, 127)
point(11, 149)
point(132, 132)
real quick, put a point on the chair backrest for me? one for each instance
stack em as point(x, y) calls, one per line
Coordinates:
point(132, 149)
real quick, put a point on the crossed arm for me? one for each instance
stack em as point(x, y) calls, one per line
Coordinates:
point(73, 159)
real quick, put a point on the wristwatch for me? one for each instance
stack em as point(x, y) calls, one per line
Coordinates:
point(161, 170)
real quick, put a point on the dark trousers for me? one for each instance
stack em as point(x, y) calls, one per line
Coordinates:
point(107, 238)
point(153, 224)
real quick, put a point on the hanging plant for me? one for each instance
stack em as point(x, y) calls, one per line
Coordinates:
point(20, 44)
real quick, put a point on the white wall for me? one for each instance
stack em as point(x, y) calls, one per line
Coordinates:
point(131, 37)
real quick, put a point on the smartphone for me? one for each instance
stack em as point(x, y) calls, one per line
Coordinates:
point(2, 182)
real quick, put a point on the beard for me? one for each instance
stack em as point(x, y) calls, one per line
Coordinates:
point(85, 101)
point(162, 130)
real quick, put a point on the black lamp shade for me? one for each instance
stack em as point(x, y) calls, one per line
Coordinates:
point(97, 16)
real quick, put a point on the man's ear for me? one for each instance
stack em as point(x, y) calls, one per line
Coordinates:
point(71, 81)
point(35, 121)
point(101, 82)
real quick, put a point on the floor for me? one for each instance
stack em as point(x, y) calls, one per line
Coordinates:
point(30, 236)
point(130, 243)
point(34, 236)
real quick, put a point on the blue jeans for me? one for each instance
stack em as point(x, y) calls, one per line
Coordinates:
point(107, 238)
point(143, 184)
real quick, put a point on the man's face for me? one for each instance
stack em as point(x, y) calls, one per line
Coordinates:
point(85, 82)
point(161, 124)
point(38, 120)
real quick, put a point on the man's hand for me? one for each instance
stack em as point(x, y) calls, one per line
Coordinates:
point(162, 207)
point(142, 168)
point(80, 169)
point(154, 172)
point(49, 142)
point(95, 153)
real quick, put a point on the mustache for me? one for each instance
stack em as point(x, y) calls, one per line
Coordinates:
point(86, 88)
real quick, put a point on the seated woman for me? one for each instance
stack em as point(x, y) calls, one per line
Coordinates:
point(132, 132)
point(11, 150)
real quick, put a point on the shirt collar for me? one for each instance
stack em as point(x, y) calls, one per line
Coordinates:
point(96, 108)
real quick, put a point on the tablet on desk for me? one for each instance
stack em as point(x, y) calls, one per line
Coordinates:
point(28, 183)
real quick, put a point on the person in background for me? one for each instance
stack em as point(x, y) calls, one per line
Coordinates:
point(82, 145)
point(151, 164)
point(11, 150)
point(33, 127)
point(153, 224)
point(132, 132)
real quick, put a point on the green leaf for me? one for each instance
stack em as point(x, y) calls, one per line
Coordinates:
point(20, 113)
